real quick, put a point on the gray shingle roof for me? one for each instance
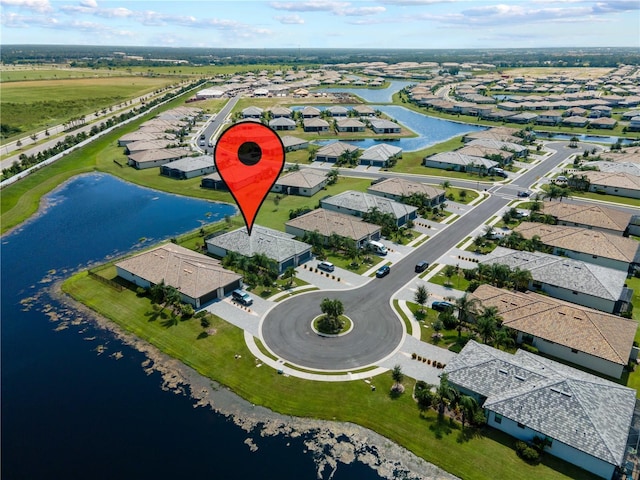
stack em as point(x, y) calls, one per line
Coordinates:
point(563, 272)
point(278, 246)
point(586, 412)
point(380, 152)
point(363, 202)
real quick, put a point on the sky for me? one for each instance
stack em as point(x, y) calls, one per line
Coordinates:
point(421, 24)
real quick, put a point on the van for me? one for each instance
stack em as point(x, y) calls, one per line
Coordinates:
point(326, 266)
point(242, 297)
point(377, 247)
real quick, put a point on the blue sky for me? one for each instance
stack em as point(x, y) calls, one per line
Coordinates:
point(324, 23)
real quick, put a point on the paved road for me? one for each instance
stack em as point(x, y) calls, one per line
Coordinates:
point(377, 333)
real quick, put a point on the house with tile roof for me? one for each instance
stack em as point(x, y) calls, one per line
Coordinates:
point(380, 155)
point(332, 151)
point(326, 223)
point(588, 216)
point(156, 158)
point(188, 167)
point(315, 124)
point(613, 183)
point(276, 245)
point(310, 112)
point(592, 339)
point(292, 143)
point(571, 280)
point(459, 162)
point(282, 123)
point(359, 203)
point(380, 125)
point(593, 246)
point(306, 182)
point(350, 125)
point(585, 419)
point(252, 112)
point(398, 188)
point(199, 278)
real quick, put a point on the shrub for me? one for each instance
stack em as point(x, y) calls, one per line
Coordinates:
point(200, 314)
point(424, 360)
point(414, 355)
point(429, 362)
point(141, 291)
point(419, 358)
point(527, 453)
point(529, 348)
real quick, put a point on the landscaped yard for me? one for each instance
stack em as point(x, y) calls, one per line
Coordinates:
point(457, 281)
point(471, 455)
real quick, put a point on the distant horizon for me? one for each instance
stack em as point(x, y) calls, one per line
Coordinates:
point(324, 24)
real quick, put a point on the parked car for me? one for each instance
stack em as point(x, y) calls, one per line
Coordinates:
point(383, 271)
point(499, 172)
point(421, 267)
point(326, 266)
point(441, 306)
point(523, 194)
point(242, 297)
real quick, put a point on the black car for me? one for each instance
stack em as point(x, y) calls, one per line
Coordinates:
point(523, 194)
point(421, 267)
point(383, 271)
point(441, 306)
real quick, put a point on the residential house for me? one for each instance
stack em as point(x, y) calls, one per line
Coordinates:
point(487, 152)
point(613, 183)
point(333, 151)
point(603, 122)
point(584, 419)
point(252, 112)
point(213, 181)
point(294, 143)
point(315, 125)
point(310, 112)
point(306, 182)
point(155, 158)
point(550, 117)
point(364, 110)
point(592, 339)
point(574, 281)
point(595, 217)
point(379, 125)
point(380, 155)
point(593, 246)
point(278, 246)
point(326, 223)
point(359, 203)
point(350, 125)
point(338, 111)
point(282, 123)
point(199, 278)
point(399, 189)
point(281, 112)
point(188, 167)
point(519, 151)
point(135, 147)
point(575, 121)
point(459, 162)
point(141, 136)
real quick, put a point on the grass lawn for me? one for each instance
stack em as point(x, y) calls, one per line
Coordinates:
point(33, 105)
point(485, 455)
point(282, 284)
point(457, 282)
point(634, 202)
point(342, 261)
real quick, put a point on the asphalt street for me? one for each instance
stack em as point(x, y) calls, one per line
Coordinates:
point(377, 332)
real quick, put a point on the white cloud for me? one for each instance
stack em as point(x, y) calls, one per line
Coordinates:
point(410, 3)
point(40, 6)
point(89, 3)
point(310, 6)
point(360, 11)
point(290, 19)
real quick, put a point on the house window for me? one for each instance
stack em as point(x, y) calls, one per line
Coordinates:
point(520, 425)
point(498, 418)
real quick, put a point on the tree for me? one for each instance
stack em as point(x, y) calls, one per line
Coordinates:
point(520, 278)
point(468, 406)
point(332, 176)
point(397, 375)
point(290, 274)
point(423, 395)
point(445, 394)
point(449, 271)
point(172, 297)
point(487, 323)
point(330, 322)
point(466, 306)
point(421, 296)
point(504, 338)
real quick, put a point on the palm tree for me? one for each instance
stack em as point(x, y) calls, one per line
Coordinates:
point(468, 406)
point(421, 296)
point(520, 278)
point(504, 338)
point(397, 375)
point(467, 307)
point(487, 323)
point(445, 394)
point(172, 297)
point(290, 274)
point(423, 395)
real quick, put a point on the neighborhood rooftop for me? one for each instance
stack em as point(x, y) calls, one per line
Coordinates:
point(593, 215)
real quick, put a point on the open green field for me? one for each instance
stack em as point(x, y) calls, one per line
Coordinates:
point(19, 74)
point(34, 105)
point(208, 70)
point(469, 454)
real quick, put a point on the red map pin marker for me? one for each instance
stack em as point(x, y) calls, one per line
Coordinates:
point(249, 157)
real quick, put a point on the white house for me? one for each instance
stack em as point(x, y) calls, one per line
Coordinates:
point(585, 419)
point(358, 203)
point(188, 167)
point(306, 182)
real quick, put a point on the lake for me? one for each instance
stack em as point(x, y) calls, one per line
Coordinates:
point(76, 401)
point(372, 95)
